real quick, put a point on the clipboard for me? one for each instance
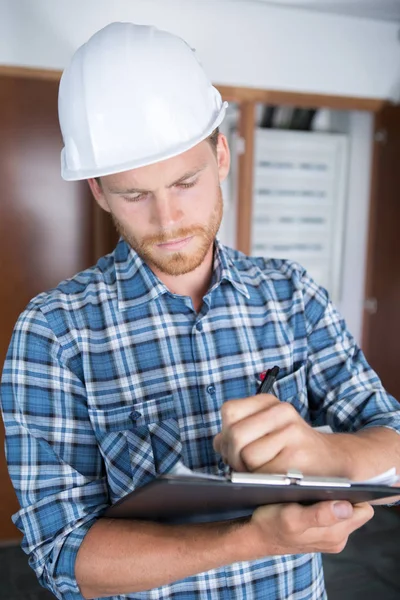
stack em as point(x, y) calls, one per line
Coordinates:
point(181, 499)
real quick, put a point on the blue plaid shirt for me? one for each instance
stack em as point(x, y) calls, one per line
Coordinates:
point(110, 379)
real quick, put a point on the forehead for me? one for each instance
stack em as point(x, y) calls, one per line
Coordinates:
point(164, 172)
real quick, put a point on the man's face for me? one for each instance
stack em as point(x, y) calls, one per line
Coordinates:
point(169, 212)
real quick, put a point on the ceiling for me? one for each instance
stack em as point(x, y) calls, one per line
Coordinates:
point(380, 10)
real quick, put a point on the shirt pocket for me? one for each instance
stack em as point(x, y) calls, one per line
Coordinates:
point(137, 442)
point(293, 389)
point(158, 417)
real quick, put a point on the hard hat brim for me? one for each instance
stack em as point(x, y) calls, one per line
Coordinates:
point(81, 174)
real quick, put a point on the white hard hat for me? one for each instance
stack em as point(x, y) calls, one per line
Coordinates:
point(133, 95)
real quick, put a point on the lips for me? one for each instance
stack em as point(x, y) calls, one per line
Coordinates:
point(175, 244)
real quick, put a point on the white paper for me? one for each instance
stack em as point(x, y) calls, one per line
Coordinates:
point(387, 478)
point(324, 429)
point(182, 470)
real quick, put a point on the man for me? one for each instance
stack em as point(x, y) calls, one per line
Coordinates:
point(153, 355)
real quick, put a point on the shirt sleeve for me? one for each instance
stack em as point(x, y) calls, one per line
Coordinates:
point(53, 458)
point(344, 391)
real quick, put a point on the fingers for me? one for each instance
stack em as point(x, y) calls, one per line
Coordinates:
point(256, 427)
point(296, 522)
point(363, 512)
point(297, 529)
point(339, 533)
point(321, 514)
point(235, 443)
point(233, 411)
point(271, 454)
point(340, 514)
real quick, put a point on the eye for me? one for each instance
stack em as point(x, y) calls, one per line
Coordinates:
point(185, 186)
point(136, 198)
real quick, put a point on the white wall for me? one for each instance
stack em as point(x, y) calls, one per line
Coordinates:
point(239, 42)
point(249, 44)
point(355, 238)
point(359, 127)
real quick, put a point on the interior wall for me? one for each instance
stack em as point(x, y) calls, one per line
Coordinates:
point(240, 42)
point(356, 229)
point(359, 126)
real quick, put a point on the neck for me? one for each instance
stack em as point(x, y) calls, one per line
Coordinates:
point(194, 284)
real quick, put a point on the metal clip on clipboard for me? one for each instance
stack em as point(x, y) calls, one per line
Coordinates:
point(292, 477)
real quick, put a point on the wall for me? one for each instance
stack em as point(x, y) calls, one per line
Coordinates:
point(355, 239)
point(251, 45)
point(240, 42)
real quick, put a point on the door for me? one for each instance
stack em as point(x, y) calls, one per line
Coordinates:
point(381, 334)
point(45, 223)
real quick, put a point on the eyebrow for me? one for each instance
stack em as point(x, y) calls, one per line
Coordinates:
point(184, 177)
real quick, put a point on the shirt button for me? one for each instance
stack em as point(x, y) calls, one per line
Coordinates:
point(199, 326)
point(211, 389)
point(135, 415)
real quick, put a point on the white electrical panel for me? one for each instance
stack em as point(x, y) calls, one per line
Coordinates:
point(299, 201)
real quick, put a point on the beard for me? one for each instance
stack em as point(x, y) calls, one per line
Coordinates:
point(180, 262)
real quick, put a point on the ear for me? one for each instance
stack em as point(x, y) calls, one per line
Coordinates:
point(223, 157)
point(98, 193)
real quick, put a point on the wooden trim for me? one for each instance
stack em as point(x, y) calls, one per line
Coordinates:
point(30, 73)
point(245, 94)
point(247, 123)
point(241, 94)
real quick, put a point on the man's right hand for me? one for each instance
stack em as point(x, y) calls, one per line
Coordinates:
point(295, 529)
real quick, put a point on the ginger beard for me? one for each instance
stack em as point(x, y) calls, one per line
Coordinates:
point(181, 262)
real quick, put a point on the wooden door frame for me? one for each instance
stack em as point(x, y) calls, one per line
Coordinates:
point(372, 231)
point(241, 95)
point(30, 73)
point(379, 138)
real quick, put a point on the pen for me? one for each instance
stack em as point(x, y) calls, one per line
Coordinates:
point(266, 385)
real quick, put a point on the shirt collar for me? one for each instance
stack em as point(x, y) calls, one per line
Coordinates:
point(137, 284)
point(225, 269)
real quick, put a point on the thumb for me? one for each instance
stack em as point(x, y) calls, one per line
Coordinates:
point(326, 514)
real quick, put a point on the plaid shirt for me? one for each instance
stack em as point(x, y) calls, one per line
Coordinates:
point(110, 379)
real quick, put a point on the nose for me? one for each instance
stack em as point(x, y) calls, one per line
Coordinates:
point(166, 211)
